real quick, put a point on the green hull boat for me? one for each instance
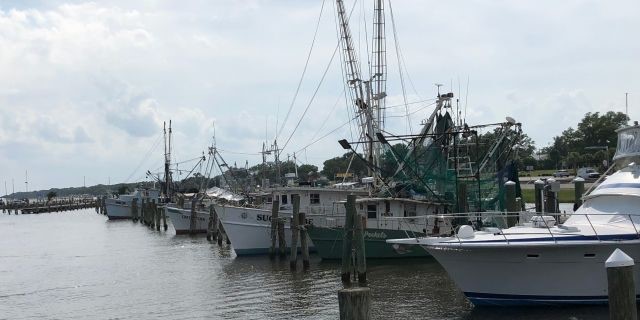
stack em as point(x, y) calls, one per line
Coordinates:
point(328, 243)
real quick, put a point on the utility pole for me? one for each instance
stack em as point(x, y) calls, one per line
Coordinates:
point(5, 189)
point(13, 186)
point(26, 181)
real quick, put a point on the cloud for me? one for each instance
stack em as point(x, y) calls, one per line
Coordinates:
point(89, 84)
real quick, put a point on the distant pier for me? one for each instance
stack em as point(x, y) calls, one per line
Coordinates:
point(56, 205)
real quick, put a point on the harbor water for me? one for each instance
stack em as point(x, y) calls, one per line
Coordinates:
point(78, 265)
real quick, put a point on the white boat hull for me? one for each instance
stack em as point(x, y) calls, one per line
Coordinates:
point(533, 274)
point(181, 220)
point(118, 211)
point(249, 229)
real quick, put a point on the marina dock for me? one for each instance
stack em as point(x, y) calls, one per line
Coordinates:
point(58, 205)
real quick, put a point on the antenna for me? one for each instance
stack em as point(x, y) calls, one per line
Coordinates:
point(626, 103)
point(438, 85)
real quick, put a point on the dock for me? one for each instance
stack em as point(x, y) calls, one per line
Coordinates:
point(57, 205)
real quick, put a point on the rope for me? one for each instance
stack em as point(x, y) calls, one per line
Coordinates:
point(144, 159)
point(326, 70)
point(304, 71)
point(397, 46)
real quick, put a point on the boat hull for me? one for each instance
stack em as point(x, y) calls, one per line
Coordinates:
point(549, 274)
point(181, 220)
point(118, 211)
point(249, 229)
point(328, 242)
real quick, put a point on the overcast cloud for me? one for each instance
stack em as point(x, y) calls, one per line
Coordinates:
point(85, 86)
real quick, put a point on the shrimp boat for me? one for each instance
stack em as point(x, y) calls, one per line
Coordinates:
point(447, 167)
point(249, 226)
point(188, 221)
point(120, 207)
point(541, 262)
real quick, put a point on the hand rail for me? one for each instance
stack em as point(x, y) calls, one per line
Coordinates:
point(634, 226)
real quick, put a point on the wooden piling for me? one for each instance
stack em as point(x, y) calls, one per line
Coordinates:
point(510, 203)
point(621, 286)
point(282, 242)
point(210, 224)
point(579, 191)
point(361, 262)
point(143, 211)
point(193, 218)
point(347, 240)
point(152, 214)
point(134, 209)
point(216, 223)
point(355, 303)
point(304, 244)
point(164, 217)
point(539, 189)
point(295, 232)
point(104, 205)
point(275, 206)
point(159, 210)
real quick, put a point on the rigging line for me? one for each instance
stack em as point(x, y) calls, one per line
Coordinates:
point(185, 161)
point(397, 46)
point(304, 71)
point(328, 133)
point(145, 158)
point(326, 70)
point(237, 152)
point(466, 99)
point(347, 93)
point(324, 122)
point(404, 63)
point(415, 111)
point(414, 102)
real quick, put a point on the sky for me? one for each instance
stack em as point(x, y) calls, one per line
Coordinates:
point(86, 86)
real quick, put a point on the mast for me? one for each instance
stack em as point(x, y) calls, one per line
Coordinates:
point(167, 161)
point(626, 103)
point(362, 102)
point(379, 58)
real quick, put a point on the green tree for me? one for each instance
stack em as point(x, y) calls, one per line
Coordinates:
point(340, 164)
point(306, 172)
point(573, 159)
point(51, 195)
point(594, 130)
point(123, 189)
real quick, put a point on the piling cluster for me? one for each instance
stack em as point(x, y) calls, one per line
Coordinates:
point(55, 205)
point(298, 226)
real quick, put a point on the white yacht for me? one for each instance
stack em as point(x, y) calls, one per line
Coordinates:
point(120, 207)
point(539, 262)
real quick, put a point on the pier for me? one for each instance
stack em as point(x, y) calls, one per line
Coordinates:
point(60, 205)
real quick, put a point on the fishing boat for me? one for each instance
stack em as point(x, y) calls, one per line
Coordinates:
point(192, 216)
point(120, 207)
point(542, 262)
point(447, 167)
point(249, 226)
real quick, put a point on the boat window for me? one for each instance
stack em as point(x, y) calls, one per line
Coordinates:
point(269, 200)
point(387, 207)
point(589, 255)
point(284, 199)
point(533, 256)
point(372, 211)
point(410, 210)
point(314, 198)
